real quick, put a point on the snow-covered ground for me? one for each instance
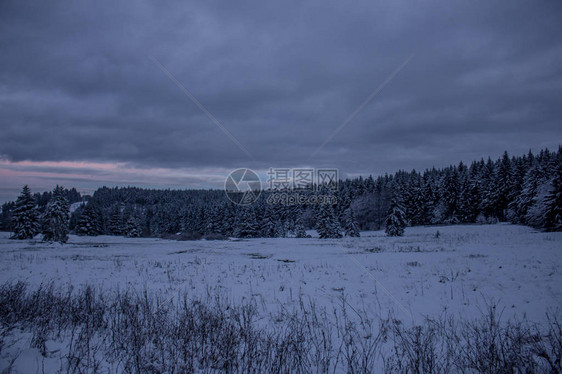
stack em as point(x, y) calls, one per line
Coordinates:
point(460, 272)
point(416, 275)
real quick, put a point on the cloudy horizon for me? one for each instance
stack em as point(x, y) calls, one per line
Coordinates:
point(94, 95)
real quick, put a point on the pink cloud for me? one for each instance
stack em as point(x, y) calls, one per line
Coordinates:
point(87, 176)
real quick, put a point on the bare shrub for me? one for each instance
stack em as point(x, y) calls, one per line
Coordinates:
point(124, 331)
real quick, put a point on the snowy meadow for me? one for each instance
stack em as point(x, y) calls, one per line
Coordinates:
point(280, 187)
point(374, 303)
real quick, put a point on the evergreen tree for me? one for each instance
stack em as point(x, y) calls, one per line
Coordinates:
point(527, 197)
point(133, 227)
point(504, 185)
point(75, 217)
point(56, 217)
point(6, 216)
point(396, 219)
point(89, 222)
point(146, 218)
point(463, 206)
point(229, 221)
point(488, 193)
point(351, 228)
point(300, 232)
point(553, 214)
point(470, 195)
point(429, 196)
point(268, 224)
point(416, 200)
point(523, 200)
point(449, 192)
point(327, 225)
point(116, 221)
point(280, 229)
point(247, 226)
point(25, 217)
point(214, 220)
point(199, 219)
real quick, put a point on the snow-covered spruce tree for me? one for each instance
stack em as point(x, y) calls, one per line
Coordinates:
point(89, 222)
point(6, 211)
point(533, 198)
point(488, 190)
point(321, 222)
point(429, 196)
point(416, 199)
point(56, 217)
point(25, 217)
point(280, 229)
point(199, 221)
point(133, 227)
point(327, 225)
point(228, 222)
point(396, 220)
point(267, 224)
point(553, 214)
point(524, 200)
point(116, 221)
point(470, 195)
point(519, 172)
point(449, 195)
point(351, 228)
point(504, 185)
point(247, 225)
point(299, 230)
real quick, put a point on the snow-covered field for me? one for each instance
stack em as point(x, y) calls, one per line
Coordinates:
point(415, 275)
point(459, 272)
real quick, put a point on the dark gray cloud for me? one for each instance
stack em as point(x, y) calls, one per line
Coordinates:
point(77, 83)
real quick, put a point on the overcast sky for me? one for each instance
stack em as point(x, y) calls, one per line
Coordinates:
point(85, 102)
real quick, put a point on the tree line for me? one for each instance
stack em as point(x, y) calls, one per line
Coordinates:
point(523, 190)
